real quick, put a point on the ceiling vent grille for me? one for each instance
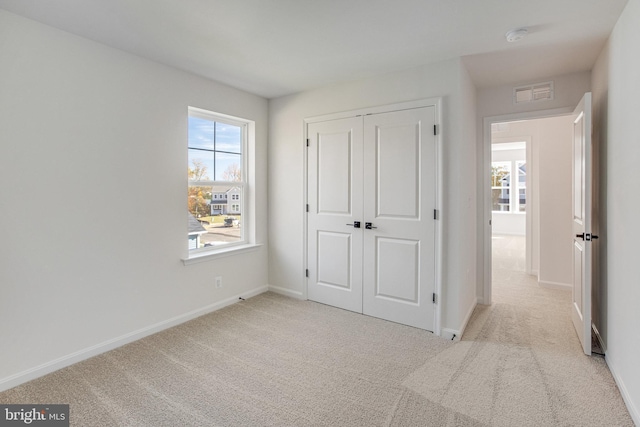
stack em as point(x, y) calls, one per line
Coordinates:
point(533, 92)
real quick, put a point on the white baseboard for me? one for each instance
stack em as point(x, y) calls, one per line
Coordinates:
point(286, 292)
point(555, 285)
point(456, 334)
point(450, 334)
point(78, 356)
point(631, 407)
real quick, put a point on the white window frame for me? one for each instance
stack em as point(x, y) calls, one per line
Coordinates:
point(520, 186)
point(246, 242)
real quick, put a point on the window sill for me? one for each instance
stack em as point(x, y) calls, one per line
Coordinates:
point(220, 253)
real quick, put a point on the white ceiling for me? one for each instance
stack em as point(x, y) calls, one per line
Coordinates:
point(277, 47)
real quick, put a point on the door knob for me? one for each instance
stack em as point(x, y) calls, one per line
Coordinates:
point(369, 226)
point(356, 224)
point(587, 236)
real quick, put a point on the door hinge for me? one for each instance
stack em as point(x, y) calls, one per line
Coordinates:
point(306, 273)
point(307, 142)
point(307, 207)
point(435, 214)
point(434, 297)
point(435, 129)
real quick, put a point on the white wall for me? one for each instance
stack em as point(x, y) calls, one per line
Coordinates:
point(448, 80)
point(555, 136)
point(93, 211)
point(617, 103)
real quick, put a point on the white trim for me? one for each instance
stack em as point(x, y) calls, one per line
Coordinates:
point(555, 285)
point(456, 334)
point(437, 323)
point(486, 180)
point(375, 110)
point(429, 102)
point(450, 334)
point(287, 292)
point(224, 251)
point(628, 400)
point(78, 356)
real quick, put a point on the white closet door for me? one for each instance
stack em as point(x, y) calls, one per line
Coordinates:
point(371, 228)
point(335, 204)
point(399, 202)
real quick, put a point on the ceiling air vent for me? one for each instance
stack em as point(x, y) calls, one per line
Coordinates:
point(533, 92)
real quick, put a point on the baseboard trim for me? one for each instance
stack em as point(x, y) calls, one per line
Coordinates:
point(554, 285)
point(631, 407)
point(450, 334)
point(80, 355)
point(456, 334)
point(286, 292)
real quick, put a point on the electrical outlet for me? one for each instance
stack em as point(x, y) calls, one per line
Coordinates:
point(218, 281)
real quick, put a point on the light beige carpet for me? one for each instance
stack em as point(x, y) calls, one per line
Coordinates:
point(276, 361)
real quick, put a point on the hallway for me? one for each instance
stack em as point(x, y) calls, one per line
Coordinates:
point(524, 359)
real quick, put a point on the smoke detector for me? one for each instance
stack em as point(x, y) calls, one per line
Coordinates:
point(517, 34)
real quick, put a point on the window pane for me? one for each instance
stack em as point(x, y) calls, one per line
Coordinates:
point(500, 199)
point(500, 183)
point(228, 167)
point(228, 138)
point(201, 133)
point(224, 224)
point(199, 200)
point(522, 201)
point(201, 165)
point(500, 174)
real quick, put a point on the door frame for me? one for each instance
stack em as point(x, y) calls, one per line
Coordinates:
point(485, 183)
point(409, 105)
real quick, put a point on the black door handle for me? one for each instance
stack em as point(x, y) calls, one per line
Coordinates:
point(587, 236)
point(356, 224)
point(369, 226)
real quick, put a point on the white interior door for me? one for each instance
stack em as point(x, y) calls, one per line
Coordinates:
point(399, 203)
point(334, 241)
point(582, 231)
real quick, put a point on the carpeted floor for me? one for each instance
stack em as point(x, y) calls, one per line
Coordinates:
point(276, 361)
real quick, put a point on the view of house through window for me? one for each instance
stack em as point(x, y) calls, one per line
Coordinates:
point(216, 180)
point(500, 186)
point(502, 181)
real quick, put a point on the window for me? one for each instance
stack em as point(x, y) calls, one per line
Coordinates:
point(521, 167)
point(216, 167)
point(502, 181)
point(500, 186)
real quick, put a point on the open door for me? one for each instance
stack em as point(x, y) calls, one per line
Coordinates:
point(582, 227)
